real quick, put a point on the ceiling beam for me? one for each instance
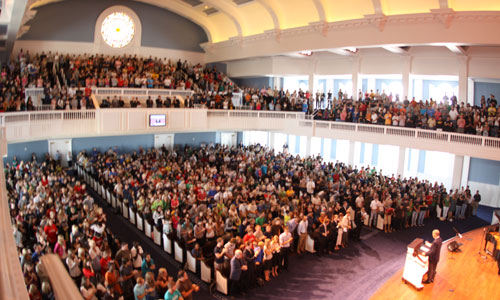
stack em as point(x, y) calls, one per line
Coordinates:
point(377, 7)
point(320, 9)
point(272, 11)
point(443, 4)
point(17, 13)
point(230, 10)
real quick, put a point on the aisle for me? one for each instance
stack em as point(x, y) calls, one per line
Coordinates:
point(127, 232)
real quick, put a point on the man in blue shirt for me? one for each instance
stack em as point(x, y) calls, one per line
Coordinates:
point(148, 265)
point(173, 292)
point(140, 289)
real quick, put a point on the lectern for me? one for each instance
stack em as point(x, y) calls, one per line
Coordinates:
point(417, 263)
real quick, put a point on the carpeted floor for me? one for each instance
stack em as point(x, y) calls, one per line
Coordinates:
point(355, 272)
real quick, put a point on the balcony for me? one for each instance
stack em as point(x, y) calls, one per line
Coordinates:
point(29, 126)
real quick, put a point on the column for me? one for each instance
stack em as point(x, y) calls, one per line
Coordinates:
point(271, 140)
point(311, 84)
point(470, 91)
point(465, 171)
point(351, 153)
point(276, 83)
point(355, 77)
point(308, 146)
point(457, 172)
point(463, 76)
point(405, 73)
point(401, 161)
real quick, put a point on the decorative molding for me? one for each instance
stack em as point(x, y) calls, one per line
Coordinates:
point(444, 16)
point(378, 20)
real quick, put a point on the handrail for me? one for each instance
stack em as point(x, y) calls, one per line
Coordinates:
point(139, 92)
point(22, 126)
point(63, 286)
point(12, 284)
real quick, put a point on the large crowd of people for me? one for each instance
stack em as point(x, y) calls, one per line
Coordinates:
point(52, 212)
point(213, 89)
point(382, 109)
point(248, 208)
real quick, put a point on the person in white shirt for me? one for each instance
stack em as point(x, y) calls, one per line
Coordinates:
point(73, 263)
point(285, 243)
point(302, 232)
point(374, 205)
point(310, 186)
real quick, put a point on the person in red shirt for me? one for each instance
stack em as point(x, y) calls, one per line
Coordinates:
point(51, 231)
point(104, 262)
point(249, 237)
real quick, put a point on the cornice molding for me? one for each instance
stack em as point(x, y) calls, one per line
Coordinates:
point(446, 17)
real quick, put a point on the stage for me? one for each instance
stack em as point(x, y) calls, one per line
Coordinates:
point(461, 275)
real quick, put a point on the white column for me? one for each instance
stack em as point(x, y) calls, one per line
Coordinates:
point(470, 91)
point(308, 146)
point(311, 83)
point(405, 72)
point(463, 76)
point(271, 140)
point(276, 83)
point(401, 161)
point(350, 161)
point(355, 77)
point(457, 171)
point(465, 171)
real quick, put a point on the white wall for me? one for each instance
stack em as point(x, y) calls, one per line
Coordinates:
point(483, 62)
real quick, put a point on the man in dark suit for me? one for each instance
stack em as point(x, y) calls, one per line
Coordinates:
point(237, 267)
point(433, 254)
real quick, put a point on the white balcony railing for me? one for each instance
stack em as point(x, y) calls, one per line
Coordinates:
point(36, 94)
point(18, 127)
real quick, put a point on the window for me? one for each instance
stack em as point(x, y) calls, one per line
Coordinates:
point(118, 30)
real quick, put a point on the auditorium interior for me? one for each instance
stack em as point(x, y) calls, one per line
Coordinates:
point(249, 149)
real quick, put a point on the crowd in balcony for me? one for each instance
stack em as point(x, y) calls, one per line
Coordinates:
point(382, 109)
point(52, 212)
point(68, 81)
point(249, 208)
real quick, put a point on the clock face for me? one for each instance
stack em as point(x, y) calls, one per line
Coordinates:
point(118, 30)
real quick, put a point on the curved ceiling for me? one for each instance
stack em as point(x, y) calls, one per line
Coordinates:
point(226, 19)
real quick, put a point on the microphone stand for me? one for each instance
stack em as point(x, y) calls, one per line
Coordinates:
point(484, 257)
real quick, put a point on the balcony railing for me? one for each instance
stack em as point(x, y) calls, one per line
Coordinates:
point(39, 125)
point(36, 94)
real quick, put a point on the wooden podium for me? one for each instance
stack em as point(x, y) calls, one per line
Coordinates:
point(417, 263)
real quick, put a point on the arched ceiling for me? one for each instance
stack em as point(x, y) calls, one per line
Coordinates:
point(226, 19)
point(240, 20)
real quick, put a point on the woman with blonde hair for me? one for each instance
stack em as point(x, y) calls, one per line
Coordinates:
point(150, 286)
point(268, 257)
point(275, 245)
point(60, 247)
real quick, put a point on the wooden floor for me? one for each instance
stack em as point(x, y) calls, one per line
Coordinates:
point(463, 275)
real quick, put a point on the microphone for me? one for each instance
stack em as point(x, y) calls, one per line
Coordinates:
point(458, 233)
